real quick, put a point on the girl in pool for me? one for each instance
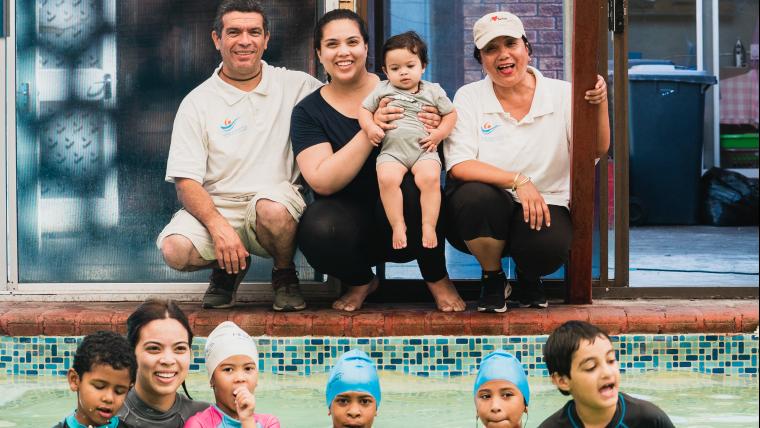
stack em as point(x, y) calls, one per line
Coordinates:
point(353, 391)
point(160, 336)
point(232, 363)
point(501, 391)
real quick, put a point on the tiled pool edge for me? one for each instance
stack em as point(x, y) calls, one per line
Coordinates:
point(439, 356)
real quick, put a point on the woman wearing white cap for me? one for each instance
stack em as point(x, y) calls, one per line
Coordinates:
point(508, 163)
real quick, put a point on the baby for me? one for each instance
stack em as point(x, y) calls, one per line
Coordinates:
point(232, 364)
point(410, 146)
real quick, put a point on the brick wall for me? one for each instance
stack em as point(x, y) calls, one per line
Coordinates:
point(543, 26)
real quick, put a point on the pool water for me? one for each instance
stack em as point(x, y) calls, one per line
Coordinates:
point(690, 399)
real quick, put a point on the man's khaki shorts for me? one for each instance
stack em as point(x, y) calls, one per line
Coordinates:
point(240, 212)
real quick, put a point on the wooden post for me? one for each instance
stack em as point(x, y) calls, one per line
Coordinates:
point(622, 236)
point(583, 150)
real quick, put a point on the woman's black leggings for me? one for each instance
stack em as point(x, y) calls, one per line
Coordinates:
point(344, 237)
point(478, 210)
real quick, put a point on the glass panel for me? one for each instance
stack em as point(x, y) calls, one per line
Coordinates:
point(104, 79)
point(663, 29)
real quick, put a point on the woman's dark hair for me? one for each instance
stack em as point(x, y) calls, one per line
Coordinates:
point(107, 348)
point(410, 41)
point(335, 15)
point(227, 6)
point(156, 309)
point(476, 52)
point(564, 341)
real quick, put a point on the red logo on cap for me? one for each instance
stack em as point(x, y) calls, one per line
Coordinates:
point(494, 18)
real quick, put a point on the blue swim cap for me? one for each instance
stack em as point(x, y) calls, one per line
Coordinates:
point(354, 371)
point(501, 365)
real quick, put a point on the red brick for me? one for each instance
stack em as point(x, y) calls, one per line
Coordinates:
point(539, 23)
point(405, 323)
point(550, 37)
point(119, 322)
point(551, 10)
point(90, 321)
point(558, 315)
point(23, 321)
point(205, 320)
point(719, 320)
point(330, 323)
point(254, 322)
point(60, 321)
point(525, 321)
point(449, 323)
point(367, 325)
point(683, 320)
point(523, 10)
point(645, 319)
point(749, 316)
point(483, 324)
point(610, 319)
point(292, 324)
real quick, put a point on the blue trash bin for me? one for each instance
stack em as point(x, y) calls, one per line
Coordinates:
point(666, 116)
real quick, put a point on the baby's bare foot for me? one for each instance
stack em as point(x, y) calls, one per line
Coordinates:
point(354, 297)
point(399, 236)
point(429, 237)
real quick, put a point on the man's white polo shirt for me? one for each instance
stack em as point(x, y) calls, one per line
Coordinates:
point(537, 146)
point(235, 142)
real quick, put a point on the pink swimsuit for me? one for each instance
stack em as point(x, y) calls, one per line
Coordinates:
point(215, 418)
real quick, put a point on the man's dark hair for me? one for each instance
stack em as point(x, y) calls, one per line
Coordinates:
point(564, 341)
point(108, 348)
point(227, 6)
point(477, 56)
point(410, 41)
point(335, 15)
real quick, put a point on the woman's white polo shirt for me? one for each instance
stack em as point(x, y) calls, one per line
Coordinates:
point(537, 146)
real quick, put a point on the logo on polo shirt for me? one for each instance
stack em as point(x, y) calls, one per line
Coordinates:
point(228, 125)
point(487, 128)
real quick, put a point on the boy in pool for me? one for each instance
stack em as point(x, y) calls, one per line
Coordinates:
point(501, 391)
point(103, 371)
point(232, 363)
point(353, 391)
point(408, 147)
point(582, 363)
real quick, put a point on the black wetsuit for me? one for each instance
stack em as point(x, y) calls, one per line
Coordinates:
point(630, 413)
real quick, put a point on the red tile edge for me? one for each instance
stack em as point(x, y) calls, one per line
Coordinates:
point(660, 316)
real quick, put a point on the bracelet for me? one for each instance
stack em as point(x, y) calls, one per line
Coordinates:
point(516, 184)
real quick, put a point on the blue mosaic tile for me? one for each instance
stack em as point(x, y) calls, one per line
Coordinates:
point(427, 356)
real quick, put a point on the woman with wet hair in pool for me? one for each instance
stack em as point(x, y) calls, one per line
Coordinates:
point(160, 336)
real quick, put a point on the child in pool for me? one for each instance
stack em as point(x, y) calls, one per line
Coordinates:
point(103, 371)
point(582, 363)
point(408, 147)
point(232, 364)
point(353, 391)
point(501, 391)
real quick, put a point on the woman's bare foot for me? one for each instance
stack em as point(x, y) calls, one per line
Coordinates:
point(429, 237)
point(399, 236)
point(446, 297)
point(354, 297)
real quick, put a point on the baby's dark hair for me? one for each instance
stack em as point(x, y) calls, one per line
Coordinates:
point(410, 41)
point(108, 348)
point(476, 53)
point(564, 341)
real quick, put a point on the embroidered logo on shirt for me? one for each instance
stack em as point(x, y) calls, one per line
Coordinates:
point(487, 128)
point(228, 125)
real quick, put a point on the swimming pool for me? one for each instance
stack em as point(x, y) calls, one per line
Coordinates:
point(426, 381)
point(412, 401)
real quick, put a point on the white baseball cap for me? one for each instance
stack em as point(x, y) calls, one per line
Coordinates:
point(225, 341)
point(497, 24)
